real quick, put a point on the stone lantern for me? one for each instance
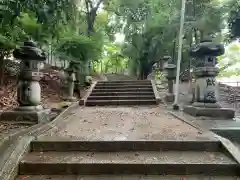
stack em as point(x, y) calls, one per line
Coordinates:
point(171, 76)
point(28, 88)
point(205, 97)
point(79, 78)
point(69, 85)
point(165, 61)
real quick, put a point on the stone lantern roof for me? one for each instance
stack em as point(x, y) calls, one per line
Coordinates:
point(207, 48)
point(29, 51)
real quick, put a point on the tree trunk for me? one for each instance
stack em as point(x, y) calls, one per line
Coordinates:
point(174, 48)
point(1, 69)
point(201, 35)
point(196, 36)
point(91, 17)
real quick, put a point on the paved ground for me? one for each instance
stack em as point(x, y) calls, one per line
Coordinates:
point(125, 123)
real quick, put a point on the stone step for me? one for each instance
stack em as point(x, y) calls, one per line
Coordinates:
point(134, 162)
point(121, 86)
point(125, 177)
point(122, 93)
point(64, 145)
point(125, 81)
point(124, 90)
point(120, 102)
point(120, 97)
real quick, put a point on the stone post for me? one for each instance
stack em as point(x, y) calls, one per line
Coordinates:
point(205, 98)
point(79, 82)
point(69, 85)
point(171, 76)
point(165, 60)
point(28, 88)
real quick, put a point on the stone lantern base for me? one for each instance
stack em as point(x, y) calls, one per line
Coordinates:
point(169, 97)
point(31, 114)
point(209, 110)
point(70, 98)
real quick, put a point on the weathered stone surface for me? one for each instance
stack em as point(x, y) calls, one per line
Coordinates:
point(67, 144)
point(9, 170)
point(125, 123)
point(39, 116)
point(170, 97)
point(122, 86)
point(128, 177)
point(124, 90)
point(122, 93)
point(127, 97)
point(231, 133)
point(135, 88)
point(205, 94)
point(135, 162)
point(28, 88)
point(126, 140)
point(221, 113)
point(120, 102)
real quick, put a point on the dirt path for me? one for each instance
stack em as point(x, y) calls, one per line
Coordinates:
point(125, 123)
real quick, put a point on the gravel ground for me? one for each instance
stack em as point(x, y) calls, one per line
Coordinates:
point(125, 123)
point(126, 177)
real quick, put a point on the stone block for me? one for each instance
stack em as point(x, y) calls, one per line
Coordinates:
point(231, 133)
point(220, 113)
point(170, 97)
point(70, 99)
point(39, 116)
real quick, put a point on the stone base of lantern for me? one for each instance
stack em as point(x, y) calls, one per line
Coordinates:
point(70, 99)
point(209, 110)
point(169, 97)
point(31, 114)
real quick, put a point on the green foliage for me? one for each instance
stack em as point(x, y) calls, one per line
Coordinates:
point(78, 49)
point(5, 45)
point(234, 6)
point(229, 63)
point(150, 28)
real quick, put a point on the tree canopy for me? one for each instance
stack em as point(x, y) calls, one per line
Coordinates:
point(115, 35)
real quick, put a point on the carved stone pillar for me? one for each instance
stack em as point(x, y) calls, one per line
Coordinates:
point(205, 97)
point(171, 76)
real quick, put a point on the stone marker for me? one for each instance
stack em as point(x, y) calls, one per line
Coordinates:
point(171, 75)
point(68, 89)
point(205, 99)
point(28, 88)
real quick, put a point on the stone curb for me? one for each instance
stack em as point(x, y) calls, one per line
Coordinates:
point(17, 139)
point(158, 98)
point(38, 128)
point(9, 171)
point(232, 133)
point(84, 99)
point(186, 121)
point(228, 145)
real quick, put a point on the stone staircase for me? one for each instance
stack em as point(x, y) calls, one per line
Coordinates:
point(127, 92)
point(130, 160)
